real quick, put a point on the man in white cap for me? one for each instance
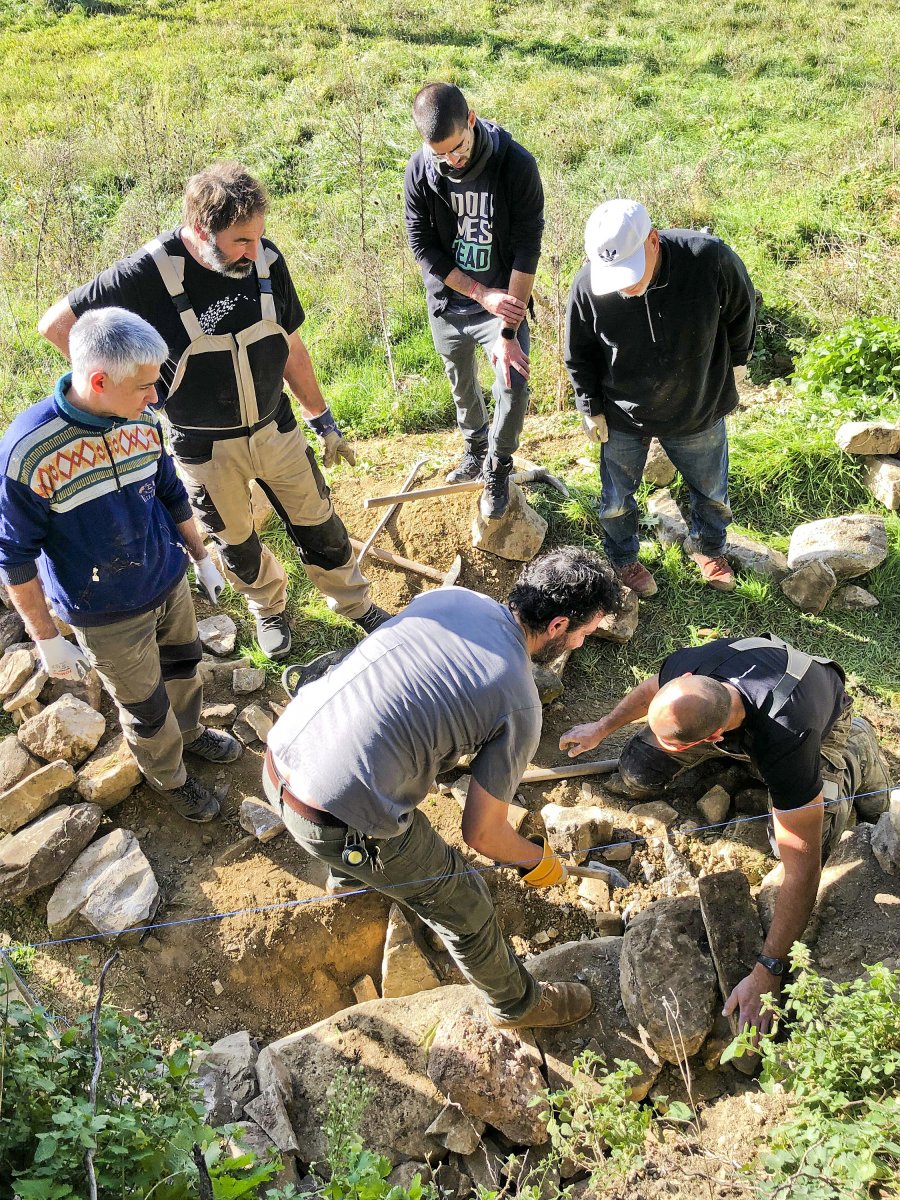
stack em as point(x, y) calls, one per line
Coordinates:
point(659, 326)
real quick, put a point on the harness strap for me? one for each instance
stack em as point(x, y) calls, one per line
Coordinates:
point(173, 280)
point(798, 664)
point(266, 298)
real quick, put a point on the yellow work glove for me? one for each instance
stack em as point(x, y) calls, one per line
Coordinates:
point(549, 870)
point(595, 429)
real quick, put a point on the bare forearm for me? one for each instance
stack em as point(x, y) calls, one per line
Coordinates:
point(464, 284)
point(520, 286)
point(193, 539)
point(501, 843)
point(631, 707)
point(32, 608)
point(793, 906)
point(56, 325)
point(300, 377)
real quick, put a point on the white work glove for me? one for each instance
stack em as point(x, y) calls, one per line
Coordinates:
point(210, 578)
point(595, 429)
point(740, 373)
point(333, 444)
point(62, 659)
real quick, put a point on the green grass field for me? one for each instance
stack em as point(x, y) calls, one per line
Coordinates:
point(775, 124)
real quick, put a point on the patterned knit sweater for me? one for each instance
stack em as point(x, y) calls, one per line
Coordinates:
point(91, 504)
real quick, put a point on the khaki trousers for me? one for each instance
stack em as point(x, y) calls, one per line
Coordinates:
point(148, 664)
point(284, 467)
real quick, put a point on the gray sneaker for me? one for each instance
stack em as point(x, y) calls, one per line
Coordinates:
point(216, 746)
point(193, 801)
point(274, 635)
point(372, 618)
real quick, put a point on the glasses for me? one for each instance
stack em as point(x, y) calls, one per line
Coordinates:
point(455, 152)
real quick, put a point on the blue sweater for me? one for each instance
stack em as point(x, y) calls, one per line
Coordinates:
point(91, 503)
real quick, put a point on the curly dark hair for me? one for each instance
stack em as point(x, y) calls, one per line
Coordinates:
point(568, 582)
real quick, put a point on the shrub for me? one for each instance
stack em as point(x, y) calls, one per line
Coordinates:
point(859, 363)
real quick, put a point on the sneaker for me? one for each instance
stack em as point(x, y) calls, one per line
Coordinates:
point(472, 462)
point(216, 746)
point(635, 575)
point(557, 1004)
point(298, 675)
point(716, 571)
point(495, 497)
point(372, 618)
point(193, 801)
point(869, 771)
point(274, 635)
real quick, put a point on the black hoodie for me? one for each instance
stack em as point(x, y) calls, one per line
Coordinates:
point(518, 216)
point(661, 364)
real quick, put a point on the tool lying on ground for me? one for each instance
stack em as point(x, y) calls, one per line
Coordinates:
point(595, 870)
point(605, 766)
point(444, 578)
point(366, 546)
point(537, 475)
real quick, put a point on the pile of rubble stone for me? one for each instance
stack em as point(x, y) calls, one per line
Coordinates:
point(877, 445)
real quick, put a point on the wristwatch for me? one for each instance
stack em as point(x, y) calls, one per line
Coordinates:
point(509, 334)
point(775, 966)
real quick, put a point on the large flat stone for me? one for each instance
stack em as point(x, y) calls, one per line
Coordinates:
point(576, 830)
point(43, 851)
point(607, 1029)
point(110, 886)
point(868, 437)
point(110, 774)
point(620, 627)
point(68, 729)
point(404, 970)
point(851, 545)
point(492, 1074)
point(34, 794)
point(16, 668)
point(882, 477)
point(27, 693)
point(732, 929)
point(667, 977)
point(15, 762)
point(811, 586)
point(671, 527)
point(517, 535)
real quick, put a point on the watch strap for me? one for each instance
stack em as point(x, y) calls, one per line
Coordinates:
point(775, 966)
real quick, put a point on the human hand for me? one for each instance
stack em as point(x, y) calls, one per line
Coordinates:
point(210, 578)
point(580, 738)
point(334, 447)
point(747, 999)
point(595, 428)
point(502, 304)
point(507, 355)
point(62, 659)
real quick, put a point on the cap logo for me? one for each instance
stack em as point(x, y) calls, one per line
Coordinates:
point(608, 255)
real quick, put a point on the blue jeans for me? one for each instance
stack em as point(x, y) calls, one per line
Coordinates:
point(457, 337)
point(702, 459)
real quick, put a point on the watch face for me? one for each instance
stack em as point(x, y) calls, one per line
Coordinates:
point(509, 334)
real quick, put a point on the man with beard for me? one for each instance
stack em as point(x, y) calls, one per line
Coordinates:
point(659, 326)
point(474, 209)
point(222, 298)
point(357, 751)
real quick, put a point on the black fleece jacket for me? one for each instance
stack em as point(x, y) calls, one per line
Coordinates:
point(431, 224)
point(661, 364)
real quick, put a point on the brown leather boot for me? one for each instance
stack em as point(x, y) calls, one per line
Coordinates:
point(557, 1004)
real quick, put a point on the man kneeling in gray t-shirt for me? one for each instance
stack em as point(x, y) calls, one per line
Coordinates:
point(357, 751)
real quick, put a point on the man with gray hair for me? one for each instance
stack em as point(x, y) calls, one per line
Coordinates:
point(221, 296)
point(94, 520)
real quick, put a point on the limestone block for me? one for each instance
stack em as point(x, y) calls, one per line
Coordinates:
point(886, 842)
point(810, 587)
point(671, 527)
point(89, 689)
point(577, 830)
point(34, 794)
point(620, 627)
point(745, 554)
point(16, 668)
point(714, 805)
point(15, 762)
point(404, 970)
point(27, 693)
point(882, 477)
point(110, 774)
point(68, 729)
point(235, 1057)
point(110, 885)
point(270, 1114)
point(517, 535)
point(247, 679)
point(217, 634)
point(252, 724)
point(456, 1131)
point(654, 815)
point(853, 598)
point(659, 468)
point(868, 437)
point(851, 545)
point(12, 629)
point(43, 851)
point(732, 930)
point(260, 819)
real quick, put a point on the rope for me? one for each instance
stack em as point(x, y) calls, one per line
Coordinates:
point(364, 888)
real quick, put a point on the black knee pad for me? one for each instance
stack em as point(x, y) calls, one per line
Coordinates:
point(204, 509)
point(150, 714)
point(244, 559)
point(644, 769)
point(180, 661)
point(326, 546)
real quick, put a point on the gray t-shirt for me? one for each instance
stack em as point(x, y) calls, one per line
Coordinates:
point(450, 675)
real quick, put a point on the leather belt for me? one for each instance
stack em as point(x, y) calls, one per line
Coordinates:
point(314, 815)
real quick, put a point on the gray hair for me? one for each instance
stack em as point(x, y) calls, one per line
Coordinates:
point(115, 341)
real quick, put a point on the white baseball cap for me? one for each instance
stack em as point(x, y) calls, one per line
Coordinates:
point(614, 242)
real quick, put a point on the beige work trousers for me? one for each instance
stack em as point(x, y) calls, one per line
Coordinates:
point(148, 664)
point(281, 462)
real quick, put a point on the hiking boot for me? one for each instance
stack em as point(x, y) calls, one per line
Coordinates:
point(869, 771)
point(372, 618)
point(193, 801)
point(472, 462)
point(716, 571)
point(635, 575)
point(298, 675)
point(495, 497)
point(216, 746)
point(557, 1004)
point(335, 887)
point(274, 635)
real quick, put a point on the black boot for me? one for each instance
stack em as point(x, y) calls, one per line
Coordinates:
point(472, 462)
point(495, 497)
point(870, 774)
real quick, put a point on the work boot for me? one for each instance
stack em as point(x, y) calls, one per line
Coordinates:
point(216, 746)
point(472, 462)
point(557, 1004)
point(274, 635)
point(635, 575)
point(193, 801)
point(372, 618)
point(869, 771)
point(298, 675)
point(338, 887)
point(495, 497)
point(716, 571)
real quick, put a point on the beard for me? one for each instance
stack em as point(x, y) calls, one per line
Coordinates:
point(552, 650)
point(216, 261)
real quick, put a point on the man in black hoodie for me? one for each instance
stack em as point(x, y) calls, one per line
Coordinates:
point(658, 327)
point(474, 209)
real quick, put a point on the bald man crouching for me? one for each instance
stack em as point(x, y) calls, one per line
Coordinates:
point(785, 714)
